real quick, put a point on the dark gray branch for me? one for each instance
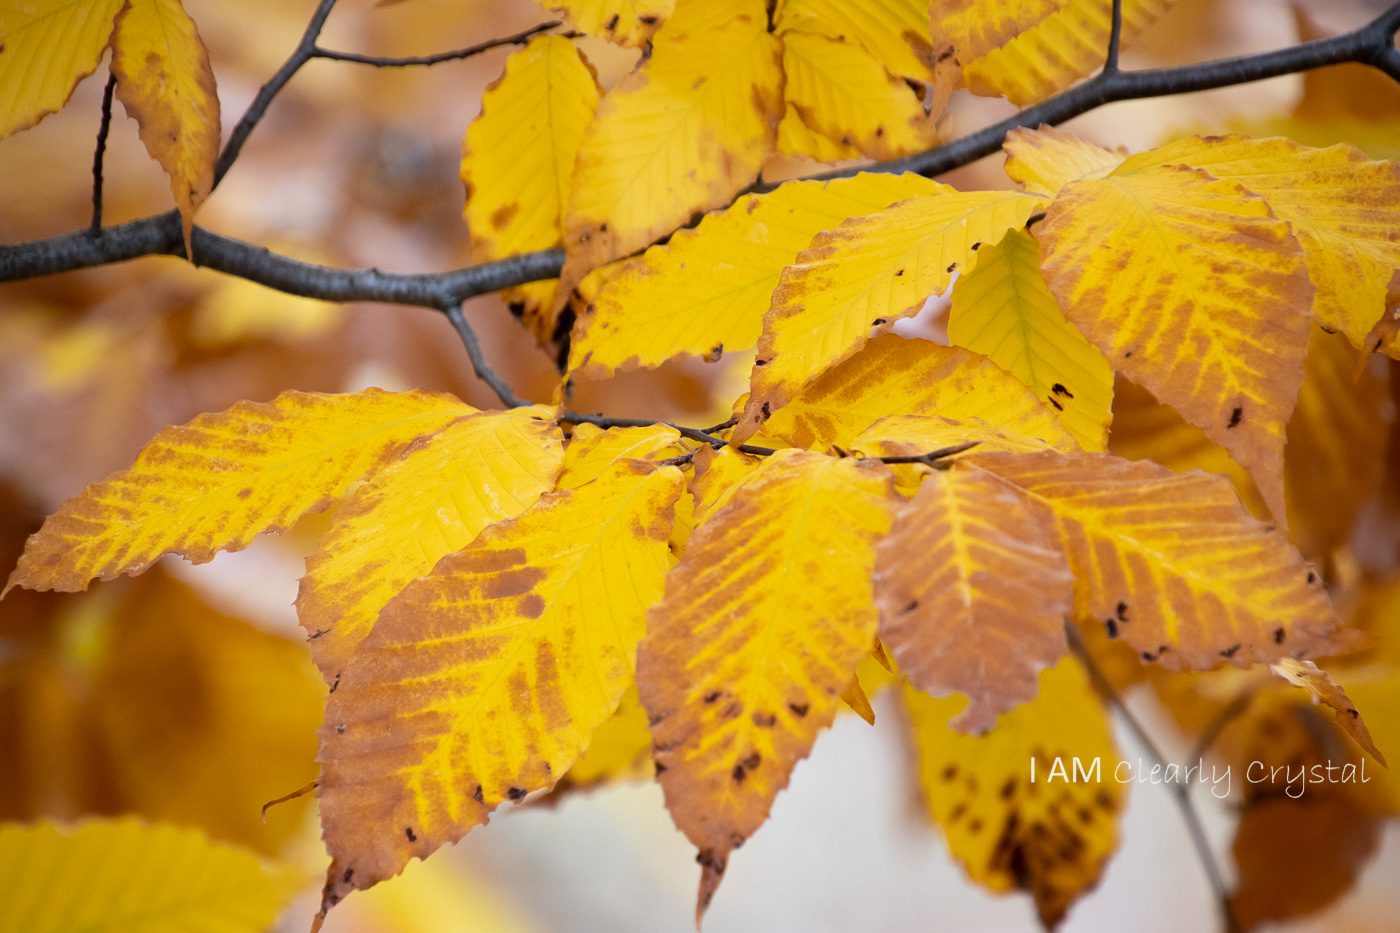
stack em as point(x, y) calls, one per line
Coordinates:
point(103, 128)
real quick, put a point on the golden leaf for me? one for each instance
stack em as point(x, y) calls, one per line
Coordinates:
point(1013, 809)
point(684, 133)
point(1308, 676)
point(1194, 290)
point(49, 46)
point(973, 591)
point(796, 138)
point(620, 749)
point(485, 680)
point(864, 275)
point(1047, 159)
point(917, 435)
point(518, 162)
point(219, 481)
point(445, 489)
point(1173, 564)
point(747, 657)
point(165, 83)
point(129, 875)
point(705, 292)
point(897, 376)
point(717, 474)
point(593, 451)
point(1003, 310)
point(895, 32)
point(626, 22)
point(845, 94)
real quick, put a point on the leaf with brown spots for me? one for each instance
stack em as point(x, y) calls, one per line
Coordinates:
point(485, 680)
point(1173, 564)
point(1014, 811)
point(763, 625)
point(165, 83)
point(895, 32)
point(1193, 289)
point(1047, 159)
point(482, 469)
point(593, 451)
point(973, 591)
point(862, 276)
point(626, 22)
point(219, 481)
point(1308, 676)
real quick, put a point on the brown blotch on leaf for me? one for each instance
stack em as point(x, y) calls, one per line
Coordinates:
point(1236, 417)
point(408, 832)
point(764, 720)
point(531, 607)
point(611, 24)
point(479, 795)
point(245, 492)
point(513, 583)
point(1121, 610)
point(799, 709)
point(503, 214)
point(715, 353)
point(1112, 626)
point(1059, 389)
point(1230, 651)
point(1278, 635)
point(516, 793)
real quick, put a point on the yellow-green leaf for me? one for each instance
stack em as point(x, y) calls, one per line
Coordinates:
point(865, 274)
point(1004, 310)
point(122, 875)
point(897, 376)
point(1194, 290)
point(1011, 818)
point(973, 591)
point(518, 161)
point(479, 470)
point(747, 657)
point(845, 94)
point(626, 22)
point(485, 680)
point(165, 83)
point(705, 292)
point(219, 481)
point(895, 32)
point(46, 47)
point(683, 133)
point(1344, 210)
point(1047, 159)
point(1173, 564)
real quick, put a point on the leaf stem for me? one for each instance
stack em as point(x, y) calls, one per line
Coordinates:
point(103, 128)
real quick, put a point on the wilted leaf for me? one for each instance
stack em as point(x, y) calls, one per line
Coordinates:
point(217, 482)
point(626, 22)
point(973, 592)
point(894, 31)
point(1047, 159)
point(485, 680)
point(518, 161)
point(1011, 818)
point(46, 48)
point(1173, 564)
point(897, 376)
point(167, 87)
point(1193, 290)
point(683, 133)
point(129, 875)
point(705, 292)
point(863, 275)
point(1003, 310)
point(747, 657)
point(447, 487)
point(1308, 676)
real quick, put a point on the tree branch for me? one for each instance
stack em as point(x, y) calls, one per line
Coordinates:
point(100, 153)
point(520, 38)
point(1115, 38)
point(480, 366)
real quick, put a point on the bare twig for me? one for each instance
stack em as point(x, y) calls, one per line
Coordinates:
point(480, 365)
point(1115, 39)
point(100, 153)
point(1181, 793)
point(519, 38)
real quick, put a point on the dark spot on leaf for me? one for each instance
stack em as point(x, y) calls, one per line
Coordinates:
point(752, 761)
point(976, 246)
point(1059, 389)
point(975, 826)
point(877, 322)
point(660, 768)
point(715, 353)
point(516, 793)
point(1053, 401)
point(952, 267)
point(732, 710)
point(478, 795)
point(736, 840)
point(799, 709)
point(910, 606)
point(1112, 626)
point(1312, 577)
point(898, 273)
point(950, 772)
point(1236, 417)
point(531, 607)
point(712, 696)
point(245, 492)
point(408, 831)
point(345, 878)
point(1008, 790)
point(340, 729)
point(1121, 610)
point(317, 634)
point(335, 683)
point(648, 20)
point(764, 720)
point(767, 411)
point(957, 813)
point(760, 362)
point(1278, 635)
point(1230, 651)
point(738, 774)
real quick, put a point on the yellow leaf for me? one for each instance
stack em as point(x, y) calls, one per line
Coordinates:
point(626, 22)
point(1194, 290)
point(1047, 159)
point(446, 488)
point(895, 32)
point(796, 138)
point(916, 435)
point(845, 94)
point(219, 481)
point(518, 161)
point(620, 749)
point(747, 657)
point(684, 133)
point(705, 291)
point(1173, 564)
point(1344, 210)
point(1308, 676)
point(863, 275)
point(592, 451)
point(1048, 51)
point(1045, 832)
point(49, 45)
point(124, 874)
point(167, 87)
point(972, 28)
point(1004, 310)
point(897, 376)
point(973, 592)
point(717, 474)
point(486, 679)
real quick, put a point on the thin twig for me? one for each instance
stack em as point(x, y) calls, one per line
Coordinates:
point(932, 457)
point(100, 153)
point(299, 792)
point(1180, 792)
point(483, 369)
point(377, 61)
point(300, 56)
point(1115, 38)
